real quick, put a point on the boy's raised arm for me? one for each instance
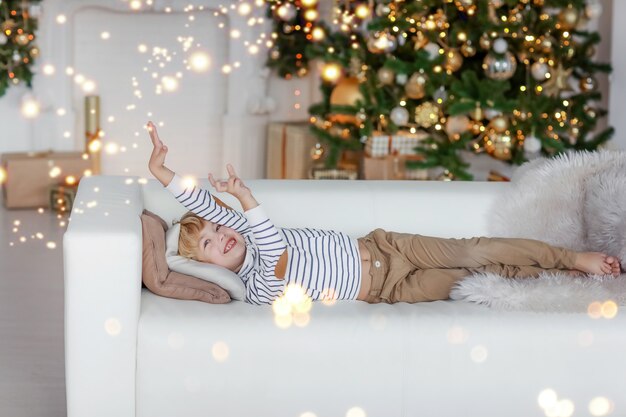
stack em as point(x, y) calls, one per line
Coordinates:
point(156, 165)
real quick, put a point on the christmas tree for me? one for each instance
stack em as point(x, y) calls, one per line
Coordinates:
point(512, 78)
point(18, 23)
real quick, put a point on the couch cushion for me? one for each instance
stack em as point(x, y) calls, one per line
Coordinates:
point(428, 359)
point(157, 276)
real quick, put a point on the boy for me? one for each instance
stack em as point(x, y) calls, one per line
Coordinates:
point(380, 267)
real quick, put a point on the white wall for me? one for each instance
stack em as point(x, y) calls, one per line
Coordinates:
point(192, 124)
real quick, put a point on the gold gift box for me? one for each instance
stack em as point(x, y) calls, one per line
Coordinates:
point(392, 167)
point(30, 175)
point(289, 150)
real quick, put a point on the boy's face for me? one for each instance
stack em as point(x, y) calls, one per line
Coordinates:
point(221, 245)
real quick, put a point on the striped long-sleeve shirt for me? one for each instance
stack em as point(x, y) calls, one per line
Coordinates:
point(326, 264)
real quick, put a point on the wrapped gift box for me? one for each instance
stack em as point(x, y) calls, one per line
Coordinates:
point(289, 150)
point(392, 167)
point(402, 143)
point(29, 176)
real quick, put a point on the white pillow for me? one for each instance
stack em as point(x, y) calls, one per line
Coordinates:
point(216, 274)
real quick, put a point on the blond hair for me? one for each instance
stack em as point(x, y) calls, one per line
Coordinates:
point(190, 227)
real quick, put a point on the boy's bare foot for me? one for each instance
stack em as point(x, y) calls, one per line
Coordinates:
point(597, 263)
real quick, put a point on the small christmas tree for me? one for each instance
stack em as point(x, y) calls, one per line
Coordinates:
point(18, 23)
point(513, 78)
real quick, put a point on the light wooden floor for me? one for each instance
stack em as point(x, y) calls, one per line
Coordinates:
point(32, 376)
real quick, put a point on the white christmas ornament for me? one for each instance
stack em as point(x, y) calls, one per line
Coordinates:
point(532, 144)
point(500, 46)
point(492, 113)
point(3, 39)
point(401, 79)
point(539, 70)
point(593, 10)
point(399, 115)
point(432, 49)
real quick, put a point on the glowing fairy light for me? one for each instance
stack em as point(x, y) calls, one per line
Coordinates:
point(61, 112)
point(30, 108)
point(356, 412)
point(227, 69)
point(51, 245)
point(457, 335)
point(69, 71)
point(70, 180)
point(61, 19)
point(111, 119)
point(318, 34)
point(244, 9)
point(220, 351)
point(48, 69)
point(112, 327)
point(169, 83)
point(189, 182)
point(89, 86)
point(235, 34)
point(308, 3)
point(600, 406)
point(311, 14)
point(142, 48)
point(199, 61)
point(67, 134)
point(54, 172)
point(79, 78)
point(253, 49)
point(95, 146)
point(331, 72)
point(547, 399)
point(135, 4)
point(3, 175)
point(479, 354)
point(111, 148)
point(105, 36)
point(362, 11)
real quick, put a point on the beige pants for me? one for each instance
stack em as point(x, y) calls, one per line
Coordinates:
point(413, 268)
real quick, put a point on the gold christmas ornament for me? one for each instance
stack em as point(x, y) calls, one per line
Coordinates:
point(345, 93)
point(568, 18)
point(8, 24)
point(386, 76)
point(381, 42)
point(499, 145)
point(426, 114)
point(468, 49)
point(456, 125)
point(22, 39)
point(415, 87)
point(476, 127)
point(477, 113)
point(34, 52)
point(558, 82)
point(499, 124)
point(485, 41)
point(453, 60)
point(588, 83)
point(500, 67)
point(420, 40)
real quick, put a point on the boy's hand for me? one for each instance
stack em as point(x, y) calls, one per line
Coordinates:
point(235, 186)
point(156, 165)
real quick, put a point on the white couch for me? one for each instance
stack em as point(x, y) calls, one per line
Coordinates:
point(131, 353)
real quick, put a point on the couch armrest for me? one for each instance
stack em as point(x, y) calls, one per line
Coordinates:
point(102, 253)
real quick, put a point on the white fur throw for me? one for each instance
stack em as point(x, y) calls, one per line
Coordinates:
point(576, 201)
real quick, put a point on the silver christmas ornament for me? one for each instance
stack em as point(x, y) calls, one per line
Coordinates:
point(399, 115)
point(500, 67)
